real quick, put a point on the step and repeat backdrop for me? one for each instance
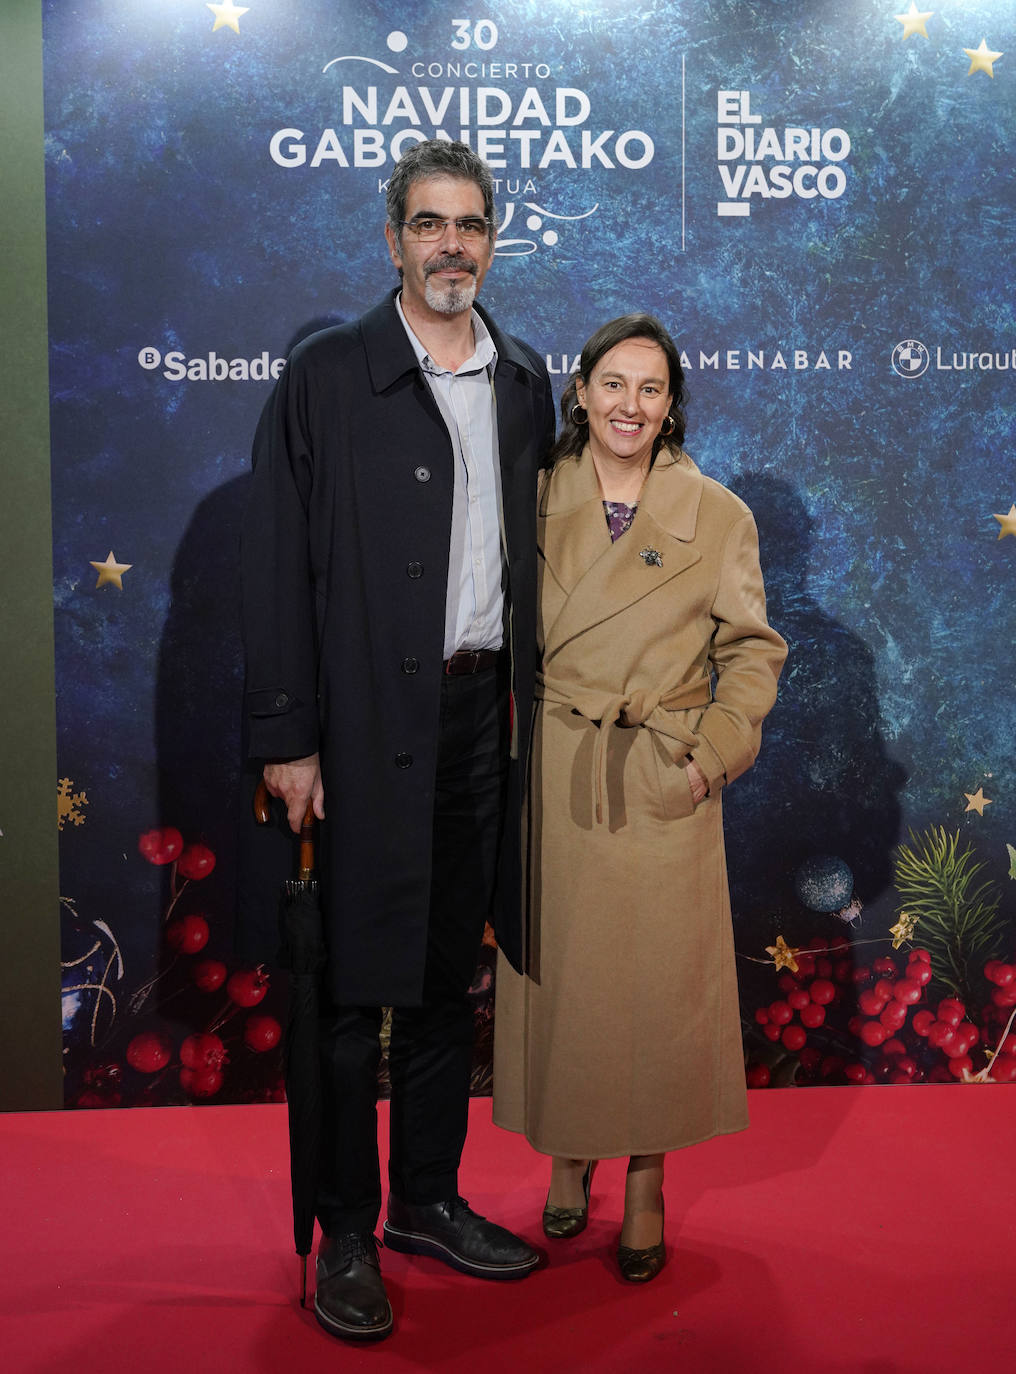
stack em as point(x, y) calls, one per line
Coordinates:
point(816, 198)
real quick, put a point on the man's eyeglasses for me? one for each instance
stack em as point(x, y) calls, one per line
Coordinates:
point(427, 228)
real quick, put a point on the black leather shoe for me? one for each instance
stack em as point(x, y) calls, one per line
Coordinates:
point(453, 1232)
point(350, 1300)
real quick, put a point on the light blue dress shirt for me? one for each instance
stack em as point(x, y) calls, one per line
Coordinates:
point(474, 608)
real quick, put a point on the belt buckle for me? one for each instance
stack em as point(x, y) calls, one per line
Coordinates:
point(455, 667)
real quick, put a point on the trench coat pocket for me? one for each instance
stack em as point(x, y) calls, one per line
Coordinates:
point(674, 788)
point(272, 701)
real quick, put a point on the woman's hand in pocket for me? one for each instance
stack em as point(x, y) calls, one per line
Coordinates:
point(698, 781)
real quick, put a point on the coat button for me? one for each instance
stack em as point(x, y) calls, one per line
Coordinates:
point(282, 700)
point(422, 474)
point(415, 569)
point(403, 760)
point(410, 665)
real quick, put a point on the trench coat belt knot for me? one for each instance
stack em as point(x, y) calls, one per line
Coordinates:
point(653, 708)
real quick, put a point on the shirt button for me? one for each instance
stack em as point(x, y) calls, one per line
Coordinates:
point(410, 665)
point(414, 569)
point(422, 474)
point(282, 699)
point(403, 760)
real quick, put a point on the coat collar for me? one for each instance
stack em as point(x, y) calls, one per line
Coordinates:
point(601, 578)
point(390, 354)
point(672, 491)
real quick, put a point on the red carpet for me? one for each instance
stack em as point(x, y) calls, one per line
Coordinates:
point(850, 1231)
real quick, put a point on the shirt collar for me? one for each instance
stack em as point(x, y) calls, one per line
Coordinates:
point(484, 352)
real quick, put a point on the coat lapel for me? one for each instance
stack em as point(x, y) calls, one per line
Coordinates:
point(572, 532)
point(601, 579)
point(390, 357)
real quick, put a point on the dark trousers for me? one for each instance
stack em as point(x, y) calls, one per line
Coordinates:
point(430, 1054)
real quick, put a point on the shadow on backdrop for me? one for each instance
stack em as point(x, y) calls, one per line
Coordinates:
point(824, 784)
point(198, 717)
point(205, 790)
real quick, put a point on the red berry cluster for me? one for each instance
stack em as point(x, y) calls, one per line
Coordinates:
point(191, 862)
point(203, 1055)
point(881, 1006)
point(102, 1085)
point(164, 845)
point(809, 994)
point(1003, 994)
point(201, 1059)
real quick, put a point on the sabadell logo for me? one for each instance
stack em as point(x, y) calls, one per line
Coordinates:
point(210, 367)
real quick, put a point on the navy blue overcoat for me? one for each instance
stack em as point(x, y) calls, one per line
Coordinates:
point(344, 571)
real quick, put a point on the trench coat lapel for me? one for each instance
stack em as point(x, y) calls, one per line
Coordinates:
point(514, 434)
point(601, 579)
point(511, 435)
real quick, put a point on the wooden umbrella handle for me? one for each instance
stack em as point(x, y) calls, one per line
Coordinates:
point(306, 871)
point(262, 814)
point(262, 804)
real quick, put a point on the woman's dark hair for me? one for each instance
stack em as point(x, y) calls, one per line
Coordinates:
point(574, 437)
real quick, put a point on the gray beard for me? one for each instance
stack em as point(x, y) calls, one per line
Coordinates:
point(449, 300)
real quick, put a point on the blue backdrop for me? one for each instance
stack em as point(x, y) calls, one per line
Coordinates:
point(816, 198)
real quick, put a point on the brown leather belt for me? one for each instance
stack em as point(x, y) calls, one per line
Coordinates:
point(467, 661)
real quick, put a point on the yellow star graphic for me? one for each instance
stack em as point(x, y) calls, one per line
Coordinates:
point(914, 21)
point(976, 801)
point(903, 929)
point(981, 59)
point(783, 955)
point(110, 571)
point(1008, 523)
point(227, 15)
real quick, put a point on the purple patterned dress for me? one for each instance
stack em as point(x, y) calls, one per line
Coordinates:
point(619, 518)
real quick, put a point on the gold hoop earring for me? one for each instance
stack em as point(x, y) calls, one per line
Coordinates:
point(573, 415)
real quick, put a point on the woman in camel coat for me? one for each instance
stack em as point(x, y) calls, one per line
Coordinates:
point(658, 666)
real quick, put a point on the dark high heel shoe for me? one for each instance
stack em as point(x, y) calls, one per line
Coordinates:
point(561, 1223)
point(639, 1266)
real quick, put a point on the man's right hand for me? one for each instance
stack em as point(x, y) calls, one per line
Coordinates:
point(297, 782)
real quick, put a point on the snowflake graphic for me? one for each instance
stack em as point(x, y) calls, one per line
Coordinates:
point(69, 804)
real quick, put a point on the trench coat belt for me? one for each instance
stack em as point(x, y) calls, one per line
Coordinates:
point(650, 707)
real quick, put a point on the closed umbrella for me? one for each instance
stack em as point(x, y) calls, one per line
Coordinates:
point(303, 954)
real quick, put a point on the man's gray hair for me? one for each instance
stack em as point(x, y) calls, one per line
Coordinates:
point(438, 157)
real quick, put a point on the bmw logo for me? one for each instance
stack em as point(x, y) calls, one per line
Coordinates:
point(910, 358)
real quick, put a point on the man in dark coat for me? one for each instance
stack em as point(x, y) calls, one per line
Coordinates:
point(389, 568)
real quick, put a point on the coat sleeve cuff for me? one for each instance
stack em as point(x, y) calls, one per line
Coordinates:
point(729, 753)
point(711, 764)
point(281, 725)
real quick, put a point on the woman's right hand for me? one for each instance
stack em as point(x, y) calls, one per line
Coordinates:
point(698, 781)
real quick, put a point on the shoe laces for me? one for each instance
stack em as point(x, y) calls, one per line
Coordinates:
point(353, 1246)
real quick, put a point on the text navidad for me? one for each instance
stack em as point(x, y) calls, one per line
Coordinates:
point(530, 130)
point(774, 163)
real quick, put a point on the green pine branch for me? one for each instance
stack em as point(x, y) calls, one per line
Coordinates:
point(957, 915)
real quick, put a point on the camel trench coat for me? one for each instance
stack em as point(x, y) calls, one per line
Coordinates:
point(624, 1036)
